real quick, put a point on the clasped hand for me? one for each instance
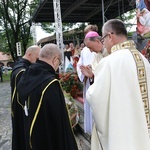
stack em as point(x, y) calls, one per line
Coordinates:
point(87, 71)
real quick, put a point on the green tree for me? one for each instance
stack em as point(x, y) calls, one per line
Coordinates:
point(129, 19)
point(50, 27)
point(15, 24)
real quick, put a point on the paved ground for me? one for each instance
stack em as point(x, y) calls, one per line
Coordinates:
point(5, 121)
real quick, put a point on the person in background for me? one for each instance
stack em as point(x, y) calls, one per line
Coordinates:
point(66, 47)
point(76, 56)
point(81, 46)
point(1, 73)
point(18, 136)
point(77, 51)
point(71, 48)
point(42, 97)
point(86, 58)
point(119, 96)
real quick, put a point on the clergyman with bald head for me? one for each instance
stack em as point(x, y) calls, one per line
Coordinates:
point(30, 56)
point(45, 108)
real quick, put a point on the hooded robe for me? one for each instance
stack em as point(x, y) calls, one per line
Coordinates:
point(18, 136)
point(48, 124)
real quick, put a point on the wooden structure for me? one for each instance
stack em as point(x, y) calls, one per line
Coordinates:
point(68, 37)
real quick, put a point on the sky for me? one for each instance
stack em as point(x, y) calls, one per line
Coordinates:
point(40, 33)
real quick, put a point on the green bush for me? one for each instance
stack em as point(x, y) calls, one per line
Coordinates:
point(6, 77)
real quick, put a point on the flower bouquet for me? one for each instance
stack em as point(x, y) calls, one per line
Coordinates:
point(71, 87)
point(70, 83)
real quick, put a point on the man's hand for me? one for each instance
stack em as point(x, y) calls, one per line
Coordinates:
point(87, 71)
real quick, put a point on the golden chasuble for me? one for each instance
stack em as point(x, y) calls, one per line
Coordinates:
point(141, 73)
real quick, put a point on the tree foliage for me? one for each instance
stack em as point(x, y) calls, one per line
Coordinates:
point(15, 24)
point(128, 18)
point(50, 27)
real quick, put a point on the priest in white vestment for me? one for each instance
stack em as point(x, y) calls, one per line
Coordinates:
point(88, 58)
point(120, 95)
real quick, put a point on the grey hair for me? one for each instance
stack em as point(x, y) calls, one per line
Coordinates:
point(115, 26)
point(94, 38)
point(48, 51)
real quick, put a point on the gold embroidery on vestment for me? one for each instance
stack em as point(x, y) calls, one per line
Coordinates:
point(130, 45)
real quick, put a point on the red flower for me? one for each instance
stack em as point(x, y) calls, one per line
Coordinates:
point(70, 83)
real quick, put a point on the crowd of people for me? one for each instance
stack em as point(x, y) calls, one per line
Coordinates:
point(116, 78)
point(75, 50)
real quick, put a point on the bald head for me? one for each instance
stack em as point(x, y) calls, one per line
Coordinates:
point(51, 54)
point(32, 53)
point(48, 51)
